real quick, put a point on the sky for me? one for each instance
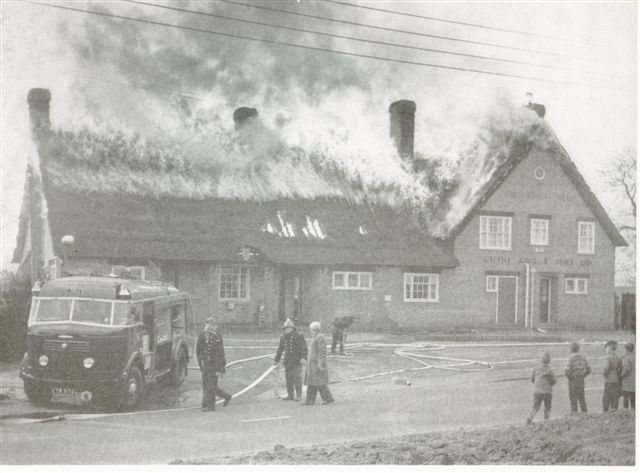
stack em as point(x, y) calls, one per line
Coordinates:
point(579, 59)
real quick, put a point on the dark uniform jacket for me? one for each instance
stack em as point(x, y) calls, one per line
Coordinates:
point(210, 351)
point(294, 347)
point(342, 323)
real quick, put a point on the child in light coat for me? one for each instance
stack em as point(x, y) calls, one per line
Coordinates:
point(543, 380)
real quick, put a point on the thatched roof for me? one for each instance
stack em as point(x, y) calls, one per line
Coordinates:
point(318, 231)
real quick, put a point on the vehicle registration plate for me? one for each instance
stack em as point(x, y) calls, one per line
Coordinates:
point(65, 393)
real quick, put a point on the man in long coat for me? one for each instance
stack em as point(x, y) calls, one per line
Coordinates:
point(294, 347)
point(317, 374)
point(210, 354)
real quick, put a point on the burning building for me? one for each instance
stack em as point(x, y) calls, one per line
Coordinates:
point(516, 239)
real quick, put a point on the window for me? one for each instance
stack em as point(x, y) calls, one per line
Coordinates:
point(586, 237)
point(421, 287)
point(495, 233)
point(129, 272)
point(539, 231)
point(492, 283)
point(53, 310)
point(351, 280)
point(576, 285)
point(234, 283)
point(92, 312)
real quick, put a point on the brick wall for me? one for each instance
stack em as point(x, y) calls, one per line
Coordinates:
point(524, 195)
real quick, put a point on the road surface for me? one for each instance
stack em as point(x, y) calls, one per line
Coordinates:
point(436, 400)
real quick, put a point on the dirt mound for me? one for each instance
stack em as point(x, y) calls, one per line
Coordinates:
point(593, 439)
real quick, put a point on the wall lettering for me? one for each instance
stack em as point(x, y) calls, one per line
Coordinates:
point(497, 259)
point(564, 261)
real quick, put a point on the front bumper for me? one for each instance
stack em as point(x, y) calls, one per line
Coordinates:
point(101, 382)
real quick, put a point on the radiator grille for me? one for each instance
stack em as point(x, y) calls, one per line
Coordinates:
point(66, 345)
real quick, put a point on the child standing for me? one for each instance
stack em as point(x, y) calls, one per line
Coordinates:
point(543, 379)
point(577, 369)
point(629, 377)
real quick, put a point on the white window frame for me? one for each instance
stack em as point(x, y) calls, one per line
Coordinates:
point(239, 282)
point(575, 282)
point(409, 280)
point(489, 288)
point(345, 279)
point(505, 223)
point(591, 249)
point(545, 241)
point(121, 268)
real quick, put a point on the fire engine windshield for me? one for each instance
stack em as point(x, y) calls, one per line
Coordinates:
point(53, 310)
point(93, 312)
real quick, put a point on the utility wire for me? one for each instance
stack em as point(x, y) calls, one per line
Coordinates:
point(397, 30)
point(310, 48)
point(456, 22)
point(355, 38)
point(10, 223)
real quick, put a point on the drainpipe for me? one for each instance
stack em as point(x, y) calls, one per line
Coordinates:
point(526, 295)
point(533, 278)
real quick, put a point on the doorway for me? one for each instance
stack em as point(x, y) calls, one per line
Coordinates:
point(544, 302)
point(291, 296)
point(507, 300)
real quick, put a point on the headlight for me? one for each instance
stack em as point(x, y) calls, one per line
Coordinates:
point(88, 362)
point(43, 360)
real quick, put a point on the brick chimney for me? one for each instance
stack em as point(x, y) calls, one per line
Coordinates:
point(39, 100)
point(402, 125)
point(243, 116)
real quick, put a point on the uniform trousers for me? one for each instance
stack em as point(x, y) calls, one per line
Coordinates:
point(210, 389)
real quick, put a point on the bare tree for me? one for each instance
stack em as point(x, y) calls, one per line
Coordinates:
point(619, 179)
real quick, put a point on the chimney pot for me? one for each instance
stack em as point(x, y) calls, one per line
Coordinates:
point(402, 126)
point(39, 100)
point(538, 108)
point(244, 115)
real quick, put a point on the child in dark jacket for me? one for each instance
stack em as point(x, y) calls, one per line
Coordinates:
point(543, 379)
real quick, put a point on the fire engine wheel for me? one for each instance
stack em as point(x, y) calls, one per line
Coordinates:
point(132, 392)
point(179, 370)
point(38, 393)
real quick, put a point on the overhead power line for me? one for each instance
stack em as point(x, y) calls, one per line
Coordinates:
point(309, 48)
point(456, 22)
point(397, 30)
point(355, 38)
point(10, 223)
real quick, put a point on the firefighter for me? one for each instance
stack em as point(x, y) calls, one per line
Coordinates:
point(294, 347)
point(210, 354)
point(340, 327)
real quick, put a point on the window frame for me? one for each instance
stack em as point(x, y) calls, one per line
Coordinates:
point(484, 223)
point(592, 248)
point(575, 290)
point(538, 219)
point(345, 275)
point(487, 287)
point(410, 281)
point(239, 281)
